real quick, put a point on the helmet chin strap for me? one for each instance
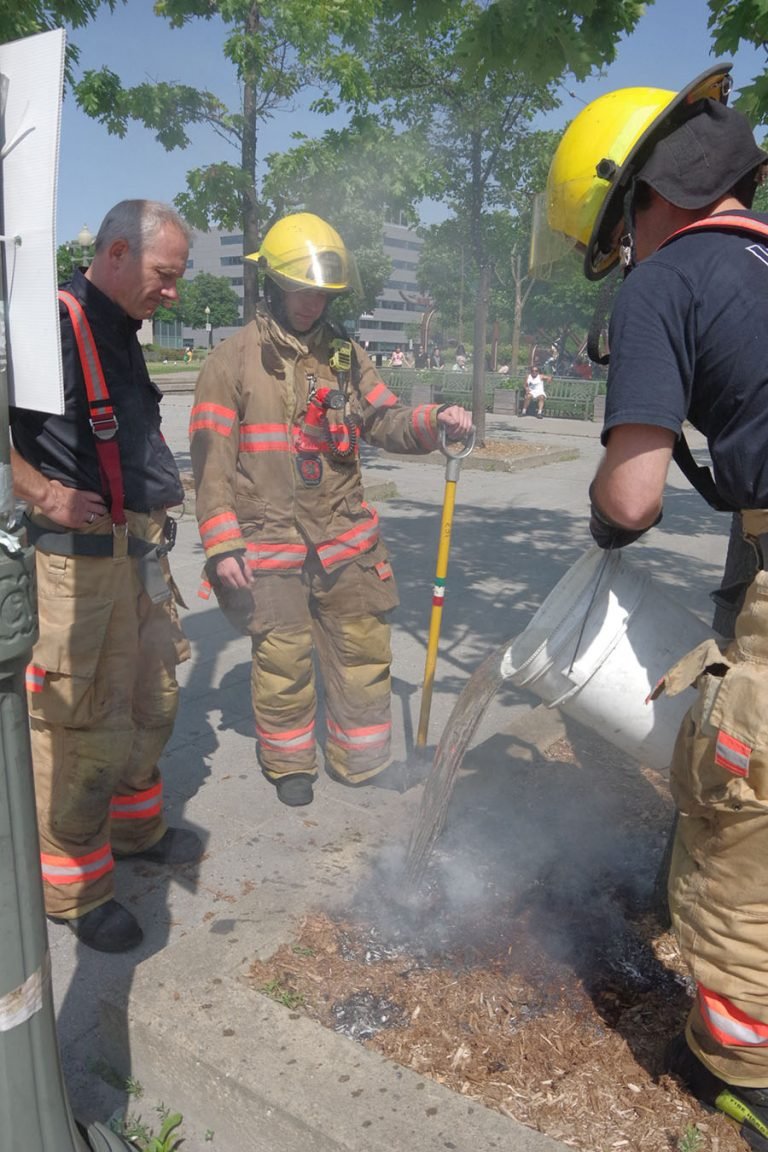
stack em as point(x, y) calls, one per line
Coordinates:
point(627, 253)
point(627, 242)
point(605, 297)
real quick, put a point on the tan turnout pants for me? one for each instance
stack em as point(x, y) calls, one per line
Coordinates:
point(102, 701)
point(718, 886)
point(339, 619)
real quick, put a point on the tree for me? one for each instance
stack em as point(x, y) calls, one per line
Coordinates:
point(277, 47)
point(204, 290)
point(560, 309)
point(734, 21)
point(544, 41)
point(65, 262)
point(473, 129)
point(18, 20)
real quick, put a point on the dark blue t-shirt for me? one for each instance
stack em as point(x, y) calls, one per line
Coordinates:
point(689, 340)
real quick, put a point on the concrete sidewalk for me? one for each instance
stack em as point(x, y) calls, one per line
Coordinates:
point(178, 1014)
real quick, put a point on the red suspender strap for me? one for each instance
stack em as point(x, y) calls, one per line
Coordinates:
point(102, 417)
point(724, 223)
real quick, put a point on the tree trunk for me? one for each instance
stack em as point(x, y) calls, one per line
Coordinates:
point(251, 221)
point(478, 361)
point(517, 326)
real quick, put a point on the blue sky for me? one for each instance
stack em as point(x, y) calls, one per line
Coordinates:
point(670, 47)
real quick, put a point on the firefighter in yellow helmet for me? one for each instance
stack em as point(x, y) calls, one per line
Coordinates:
point(665, 182)
point(293, 549)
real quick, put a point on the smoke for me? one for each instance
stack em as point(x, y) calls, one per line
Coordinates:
point(543, 861)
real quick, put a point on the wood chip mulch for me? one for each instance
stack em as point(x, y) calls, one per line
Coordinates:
point(552, 1010)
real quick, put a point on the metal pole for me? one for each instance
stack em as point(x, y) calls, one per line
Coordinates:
point(34, 1108)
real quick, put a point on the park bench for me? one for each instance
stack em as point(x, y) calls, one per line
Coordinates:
point(433, 386)
point(572, 398)
point(569, 398)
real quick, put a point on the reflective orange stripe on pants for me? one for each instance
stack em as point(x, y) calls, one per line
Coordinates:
point(360, 740)
point(729, 1025)
point(139, 805)
point(297, 740)
point(77, 869)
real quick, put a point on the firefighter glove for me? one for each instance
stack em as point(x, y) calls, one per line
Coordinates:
point(210, 565)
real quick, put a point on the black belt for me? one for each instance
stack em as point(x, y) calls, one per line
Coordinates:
point(88, 544)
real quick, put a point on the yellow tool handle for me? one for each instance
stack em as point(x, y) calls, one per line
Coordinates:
point(438, 596)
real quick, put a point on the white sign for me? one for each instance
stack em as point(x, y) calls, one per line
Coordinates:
point(33, 71)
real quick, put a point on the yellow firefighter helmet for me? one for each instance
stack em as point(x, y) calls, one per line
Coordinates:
point(303, 251)
point(602, 150)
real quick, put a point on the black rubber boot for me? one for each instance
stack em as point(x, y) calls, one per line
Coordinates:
point(295, 790)
point(108, 928)
point(747, 1106)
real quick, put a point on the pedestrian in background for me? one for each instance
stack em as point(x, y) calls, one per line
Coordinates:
point(535, 391)
point(101, 684)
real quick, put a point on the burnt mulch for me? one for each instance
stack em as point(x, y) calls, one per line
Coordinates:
point(549, 1002)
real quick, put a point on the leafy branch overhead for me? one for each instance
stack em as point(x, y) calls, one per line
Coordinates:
point(733, 23)
point(166, 109)
point(544, 40)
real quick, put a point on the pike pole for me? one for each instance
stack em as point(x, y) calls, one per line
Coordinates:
point(452, 471)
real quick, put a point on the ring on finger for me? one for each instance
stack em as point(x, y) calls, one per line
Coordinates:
point(91, 517)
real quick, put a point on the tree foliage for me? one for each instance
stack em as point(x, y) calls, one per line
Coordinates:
point(204, 290)
point(20, 18)
point(472, 132)
point(731, 23)
point(276, 48)
point(544, 40)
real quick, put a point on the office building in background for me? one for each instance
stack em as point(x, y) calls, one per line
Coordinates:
point(394, 322)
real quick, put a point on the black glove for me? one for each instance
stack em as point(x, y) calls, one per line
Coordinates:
point(210, 565)
point(606, 534)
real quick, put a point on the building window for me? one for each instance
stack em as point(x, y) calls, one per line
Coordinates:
point(235, 281)
point(190, 263)
point(231, 239)
point(397, 242)
point(227, 261)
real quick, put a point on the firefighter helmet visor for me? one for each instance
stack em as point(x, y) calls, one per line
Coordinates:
point(302, 251)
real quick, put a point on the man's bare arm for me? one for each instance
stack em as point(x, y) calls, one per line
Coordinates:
point(629, 484)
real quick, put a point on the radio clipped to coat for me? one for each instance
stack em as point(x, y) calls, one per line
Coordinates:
point(327, 427)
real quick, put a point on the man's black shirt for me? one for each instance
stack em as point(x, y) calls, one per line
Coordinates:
point(63, 447)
